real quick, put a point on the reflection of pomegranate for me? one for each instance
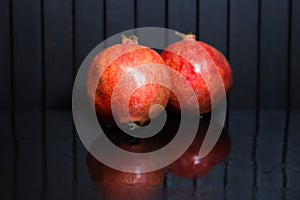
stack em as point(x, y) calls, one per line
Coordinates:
point(195, 60)
point(106, 176)
point(119, 60)
point(190, 165)
point(114, 184)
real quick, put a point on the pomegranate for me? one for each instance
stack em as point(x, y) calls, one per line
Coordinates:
point(114, 63)
point(198, 62)
point(190, 165)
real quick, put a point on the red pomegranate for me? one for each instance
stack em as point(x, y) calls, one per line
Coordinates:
point(114, 63)
point(197, 62)
point(190, 165)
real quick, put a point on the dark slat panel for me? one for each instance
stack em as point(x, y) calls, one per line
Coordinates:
point(27, 53)
point(293, 152)
point(269, 149)
point(273, 65)
point(243, 56)
point(174, 182)
point(213, 23)
point(59, 130)
point(240, 171)
point(179, 188)
point(28, 124)
point(81, 165)
point(145, 18)
point(213, 180)
point(211, 185)
point(30, 167)
point(58, 53)
point(30, 183)
point(269, 194)
point(238, 193)
point(85, 191)
point(7, 155)
point(293, 194)
point(182, 16)
point(295, 55)
point(85, 188)
point(120, 16)
point(6, 125)
point(89, 27)
point(5, 50)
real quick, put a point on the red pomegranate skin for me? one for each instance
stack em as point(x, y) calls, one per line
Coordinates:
point(191, 166)
point(119, 59)
point(196, 60)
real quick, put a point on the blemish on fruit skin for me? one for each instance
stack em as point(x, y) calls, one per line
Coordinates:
point(99, 93)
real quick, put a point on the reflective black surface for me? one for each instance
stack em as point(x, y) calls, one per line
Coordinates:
point(42, 158)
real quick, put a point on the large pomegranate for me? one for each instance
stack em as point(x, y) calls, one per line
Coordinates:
point(197, 62)
point(115, 62)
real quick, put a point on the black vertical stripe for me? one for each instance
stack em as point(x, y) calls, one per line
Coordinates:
point(257, 112)
point(165, 187)
point(228, 55)
point(228, 30)
point(135, 4)
point(165, 183)
point(74, 38)
point(195, 185)
point(13, 129)
point(104, 20)
point(197, 19)
point(74, 144)
point(225, 175)
point(167, 13)
point(258, 66)
point(288, 102)
point(43, 91)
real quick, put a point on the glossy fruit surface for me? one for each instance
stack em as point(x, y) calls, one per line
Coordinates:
point(190, 165)
point(198, 62)
point(106, 176)
point(135, 92)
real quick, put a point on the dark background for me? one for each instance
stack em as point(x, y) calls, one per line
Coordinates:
point(43, 42)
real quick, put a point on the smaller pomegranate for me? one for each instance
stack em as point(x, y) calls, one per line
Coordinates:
point(200, 64)
point(137, 92)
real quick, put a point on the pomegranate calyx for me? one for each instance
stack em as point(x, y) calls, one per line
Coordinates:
point(189, 36)
point(129, 40)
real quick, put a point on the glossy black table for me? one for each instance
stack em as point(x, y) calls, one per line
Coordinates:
point(43, 158)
